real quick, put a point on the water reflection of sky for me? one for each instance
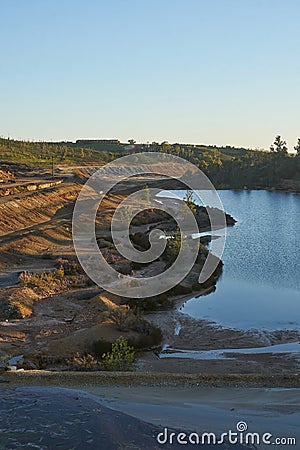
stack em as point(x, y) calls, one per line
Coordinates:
point(260, 285)
point(244, 305)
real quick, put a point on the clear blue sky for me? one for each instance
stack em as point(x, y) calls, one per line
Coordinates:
point(199, 71)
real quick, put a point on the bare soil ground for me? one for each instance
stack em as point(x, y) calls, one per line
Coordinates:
point(183, 332)
point(35, 230)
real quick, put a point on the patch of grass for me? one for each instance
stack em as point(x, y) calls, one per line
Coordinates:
point(84, 362)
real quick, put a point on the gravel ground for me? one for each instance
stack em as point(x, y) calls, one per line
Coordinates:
point(48, 378)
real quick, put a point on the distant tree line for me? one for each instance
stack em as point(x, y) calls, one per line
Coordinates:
point(227, 167)
point(45, 152)
point(230, 167)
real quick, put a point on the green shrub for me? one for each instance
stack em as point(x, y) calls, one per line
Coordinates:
point(121, 356)
point(190, 201)
point(175, 243)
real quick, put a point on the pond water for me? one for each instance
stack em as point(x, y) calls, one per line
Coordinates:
point(260, 284)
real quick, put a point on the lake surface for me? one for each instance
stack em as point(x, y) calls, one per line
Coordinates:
point(260, 284)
